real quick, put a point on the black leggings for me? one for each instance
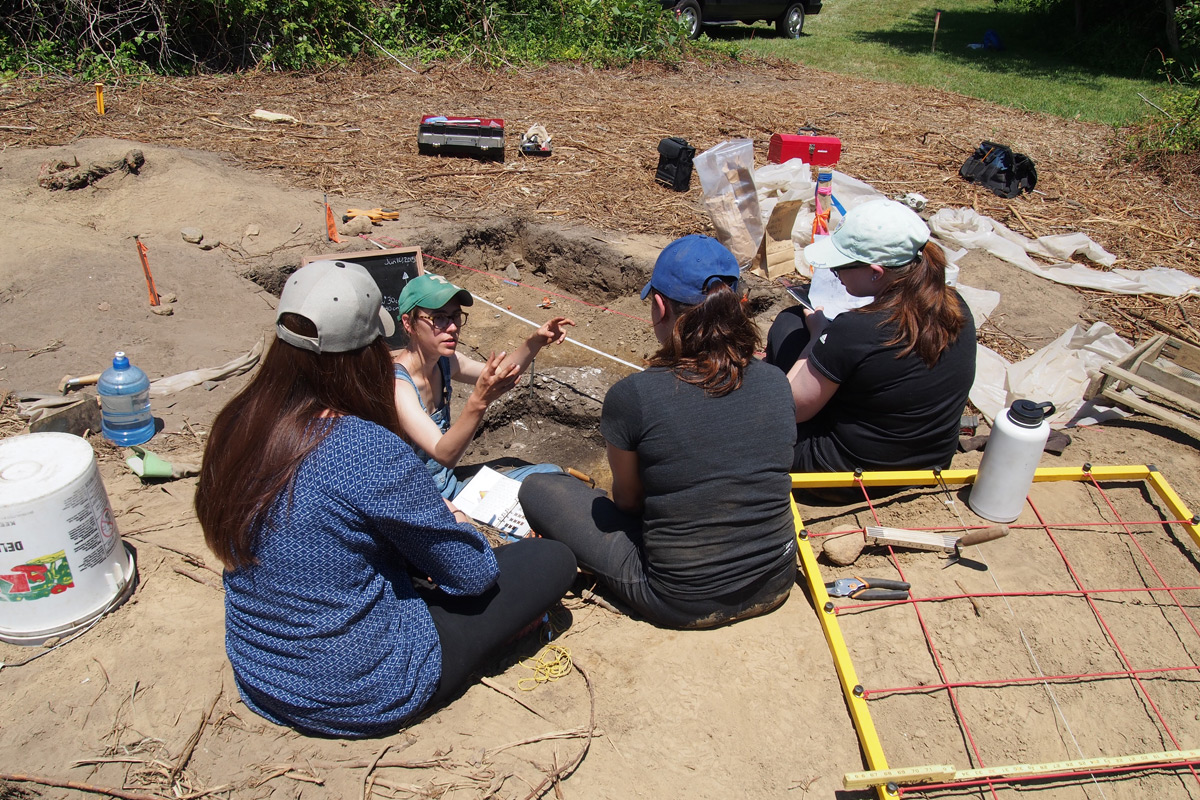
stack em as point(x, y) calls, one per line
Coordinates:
point(534, 575)
point(787, 338)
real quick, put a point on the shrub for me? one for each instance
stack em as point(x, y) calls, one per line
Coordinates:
point(82, 39)
point(1174, 131)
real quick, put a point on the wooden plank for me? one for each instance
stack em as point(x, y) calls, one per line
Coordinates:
point(1130, 361)
point(1185, 403)
point(1184, 354)
point(941, 773)
point(1169, 380)
point(1144, 355)
point(1150, 409)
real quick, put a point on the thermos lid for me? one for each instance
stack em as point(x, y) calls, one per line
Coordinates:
point(1029, 414)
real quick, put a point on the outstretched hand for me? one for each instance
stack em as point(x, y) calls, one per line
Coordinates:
point(496, 378)
point(554, 331)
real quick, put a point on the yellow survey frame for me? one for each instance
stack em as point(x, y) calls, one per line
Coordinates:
point(863, 724)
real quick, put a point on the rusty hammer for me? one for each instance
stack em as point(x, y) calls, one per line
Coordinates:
point(68, 383)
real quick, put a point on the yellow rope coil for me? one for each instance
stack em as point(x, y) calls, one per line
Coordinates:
point(552, 663)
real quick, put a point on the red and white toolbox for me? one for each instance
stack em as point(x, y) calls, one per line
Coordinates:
point(461, 136)
point(820, 151)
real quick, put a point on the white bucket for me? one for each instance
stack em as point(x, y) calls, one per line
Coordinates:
point(62, 563)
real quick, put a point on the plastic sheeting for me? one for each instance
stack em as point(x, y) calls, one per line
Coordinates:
point(1059, 373)
point(176, 383)
point(967, 228)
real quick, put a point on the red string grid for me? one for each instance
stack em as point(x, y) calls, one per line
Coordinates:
point(1086, 645)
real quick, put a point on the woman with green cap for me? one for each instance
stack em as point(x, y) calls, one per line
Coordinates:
point(431, 310)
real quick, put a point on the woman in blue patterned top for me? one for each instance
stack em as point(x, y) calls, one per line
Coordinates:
point(325, 521)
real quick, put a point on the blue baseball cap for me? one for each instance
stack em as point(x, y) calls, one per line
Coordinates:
point(686, 268)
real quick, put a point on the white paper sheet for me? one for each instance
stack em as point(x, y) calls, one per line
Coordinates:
point(491, 498)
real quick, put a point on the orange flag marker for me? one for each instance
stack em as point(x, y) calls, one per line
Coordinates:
point(146, 269)
point(330, 223)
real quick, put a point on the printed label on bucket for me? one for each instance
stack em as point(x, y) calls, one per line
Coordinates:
point(36, 578)
point(62, 564)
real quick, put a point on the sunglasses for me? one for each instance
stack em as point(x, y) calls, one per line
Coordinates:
point(441, 322)
point(843, 268)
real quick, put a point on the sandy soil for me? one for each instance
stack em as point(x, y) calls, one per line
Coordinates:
point(145, 700)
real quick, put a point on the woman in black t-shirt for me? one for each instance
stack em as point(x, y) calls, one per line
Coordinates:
point(699, 530)
point(884, 386)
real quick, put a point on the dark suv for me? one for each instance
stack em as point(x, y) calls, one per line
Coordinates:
point(788, 15)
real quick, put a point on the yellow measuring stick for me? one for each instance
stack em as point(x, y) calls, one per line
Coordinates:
point(931, 773)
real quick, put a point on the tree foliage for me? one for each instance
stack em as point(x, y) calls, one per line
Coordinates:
point(89, 37)
point(1129, 29)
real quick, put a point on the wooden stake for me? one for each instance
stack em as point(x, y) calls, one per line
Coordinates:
point(77, 786)
point(937, 20)
point(142, 251)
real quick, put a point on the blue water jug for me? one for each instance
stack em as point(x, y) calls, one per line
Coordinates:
point(125, 416)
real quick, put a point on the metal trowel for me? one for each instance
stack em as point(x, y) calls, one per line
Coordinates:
point(975, 537)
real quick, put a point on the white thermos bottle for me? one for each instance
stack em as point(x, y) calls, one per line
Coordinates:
point(1013, 452)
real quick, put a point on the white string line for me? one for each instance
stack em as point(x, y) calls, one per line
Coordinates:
point(568, 339)
point(1028, 648)
point(535, 325)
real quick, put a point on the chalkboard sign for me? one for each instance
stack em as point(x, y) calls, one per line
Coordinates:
point(392, 270)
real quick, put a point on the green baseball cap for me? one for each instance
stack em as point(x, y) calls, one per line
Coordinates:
point(430, 291)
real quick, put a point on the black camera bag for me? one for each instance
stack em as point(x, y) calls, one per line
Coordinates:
point(675, 163)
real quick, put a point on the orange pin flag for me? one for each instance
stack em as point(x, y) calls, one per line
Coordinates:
point(330, 223)
point(142, 251)
point(100, 99)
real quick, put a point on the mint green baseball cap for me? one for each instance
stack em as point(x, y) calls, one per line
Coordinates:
point(430, 291)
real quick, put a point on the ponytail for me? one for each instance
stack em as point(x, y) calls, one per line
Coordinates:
point(925, 311)
point(711, 343)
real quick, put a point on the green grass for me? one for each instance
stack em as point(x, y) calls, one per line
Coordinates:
point(1039, 69)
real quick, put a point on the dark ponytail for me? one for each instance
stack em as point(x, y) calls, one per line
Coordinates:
point(712, 342)
point(925, 311)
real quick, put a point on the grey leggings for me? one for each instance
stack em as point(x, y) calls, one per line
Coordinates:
point(608, 543)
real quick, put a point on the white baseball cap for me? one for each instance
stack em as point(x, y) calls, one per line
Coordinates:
point(341, 299)
point(881, 232)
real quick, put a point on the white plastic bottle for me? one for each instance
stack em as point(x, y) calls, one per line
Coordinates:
point(1013, 452)
point(125, 416)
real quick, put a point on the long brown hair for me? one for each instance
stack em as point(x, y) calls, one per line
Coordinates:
point(260, 438)
point(711, 343)
point(925, 311)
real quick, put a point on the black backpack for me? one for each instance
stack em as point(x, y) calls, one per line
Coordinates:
point(675, 163)
point(998, 168)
